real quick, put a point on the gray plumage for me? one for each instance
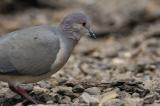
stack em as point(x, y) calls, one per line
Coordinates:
point(34, 53)
point(29, 51)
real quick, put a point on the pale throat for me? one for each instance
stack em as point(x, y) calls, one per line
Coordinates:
point(74, 36)
point(66, 48)
point(71, 33)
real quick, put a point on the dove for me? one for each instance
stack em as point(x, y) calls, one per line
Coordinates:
point(35, 53)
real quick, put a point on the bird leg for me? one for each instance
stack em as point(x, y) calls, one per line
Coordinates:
point(22, 92)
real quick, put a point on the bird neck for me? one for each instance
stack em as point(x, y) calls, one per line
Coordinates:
point(66, 47)
point(69, 32)
point(68, 37)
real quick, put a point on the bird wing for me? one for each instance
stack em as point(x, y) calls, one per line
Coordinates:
point(7, 69)
point(29, 51)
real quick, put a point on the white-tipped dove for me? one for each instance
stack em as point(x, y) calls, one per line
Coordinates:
point(35, 53)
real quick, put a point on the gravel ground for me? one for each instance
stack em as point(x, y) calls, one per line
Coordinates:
point(116, 69)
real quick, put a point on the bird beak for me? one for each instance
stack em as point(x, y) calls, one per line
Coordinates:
point(92, 34)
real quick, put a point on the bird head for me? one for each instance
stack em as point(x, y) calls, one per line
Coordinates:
point(77, 25)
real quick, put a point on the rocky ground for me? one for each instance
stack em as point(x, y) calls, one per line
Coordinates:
point(119, 68)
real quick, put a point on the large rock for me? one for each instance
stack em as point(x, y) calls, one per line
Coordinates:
point(58, 3)
point(114, 15)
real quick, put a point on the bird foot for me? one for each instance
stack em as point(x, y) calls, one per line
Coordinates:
point(23, 93)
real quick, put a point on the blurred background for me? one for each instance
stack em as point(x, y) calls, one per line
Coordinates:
point(119, 68)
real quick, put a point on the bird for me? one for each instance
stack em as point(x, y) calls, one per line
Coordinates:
point(34, 53)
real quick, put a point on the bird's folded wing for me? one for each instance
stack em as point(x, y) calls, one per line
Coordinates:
point(8, 70)
point(30, 51)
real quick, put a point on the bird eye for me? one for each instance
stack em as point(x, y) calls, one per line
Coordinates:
point(83, 24)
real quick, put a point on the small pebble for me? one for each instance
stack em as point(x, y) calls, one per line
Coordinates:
point(65, 100)
point(67, 91)
point(114, 102)
point(61, 99)
point(149, 99)
point(93, 91)
point(57, 98)
point(44, 84)
point(135, 94)
point(49, 102)
point(86, 98)
point(78, 89)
